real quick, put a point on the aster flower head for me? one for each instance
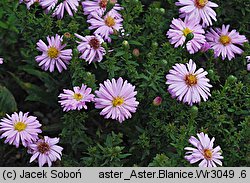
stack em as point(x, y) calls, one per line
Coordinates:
point(117, 99)
point(76, 98)
point(48, 5)
point(225, 43)
point(199, 10)
point(180, 32)
point(28, 2)
point(248, 63)
point(1, 60)
point(107, 25)
point(69, 5)
point(187, 84)
point(53, 54)
point(203, 151)
point(19, 128)
point(45, 150)
point(91, 48)
point(99, 7)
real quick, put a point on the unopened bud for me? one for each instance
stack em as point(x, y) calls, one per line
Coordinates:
point(157, 101)
point(136, 52)
point(189, 37)
point(162, 10)
point(194, 111)
point(155, 44)
point(67, 35)
point(232, 79)
point(125, 44)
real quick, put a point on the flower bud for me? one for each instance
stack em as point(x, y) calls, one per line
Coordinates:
point(210, 72)
point(189, 37)
point(67, 35)
point(155, 44)
point(162, 10)
point(157, 101)
point(125, 44)
point(136, 52)
point(232, 79)
point(194, 111)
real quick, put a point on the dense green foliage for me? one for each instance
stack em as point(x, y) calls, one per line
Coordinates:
point(155, 136)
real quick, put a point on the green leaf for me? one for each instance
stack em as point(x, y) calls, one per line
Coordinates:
point(135, 43)
point(120, 53)
point(7, 101)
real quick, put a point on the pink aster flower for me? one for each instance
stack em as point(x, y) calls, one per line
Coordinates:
point(198, 10)
point(76, 99)
point(99, 6)
point(180, 31)
point(69, 5)
point(204, 151)
point(224, 42)
point(48, 5)
point(248, 63)
point(28, 2)
point(19, 127)
point(91, 48)
point(53, 54)
point(106, 26)
point(117, 99)
point(1, 60)
point(187, 84)
point(45, 150)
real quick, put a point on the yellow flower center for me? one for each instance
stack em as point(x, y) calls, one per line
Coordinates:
point(78, 96)
point(208, 154)
point(20, 126)
point(43, 147)
point(225, 40)
point(53, 52)
point(200, 3)
point(103, 3)
point(110, 21)
point(186, 31)
point(118, 101)
point(191, 79)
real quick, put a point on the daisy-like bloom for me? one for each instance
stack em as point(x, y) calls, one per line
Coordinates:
point(117, 99)
point(69, 5)
point(76, 99)
point(99, 6)
point(248, 63)
point(106, 26)
point(91, 48)
point(224, 42)
point(204, 151)
point(198, 10)
point(187, 84)
point(19, 127)
point(179, 32)
point(45, 150)
point(53, 54)
point(1, 60)
point(28, 2)
point(48, 4)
